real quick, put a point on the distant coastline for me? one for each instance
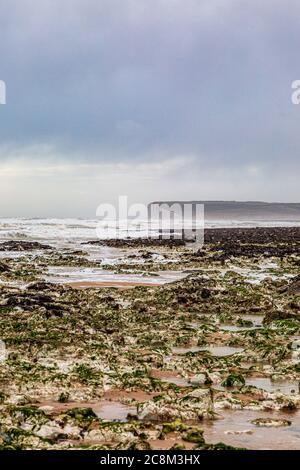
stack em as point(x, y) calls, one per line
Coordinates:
point(248, 210)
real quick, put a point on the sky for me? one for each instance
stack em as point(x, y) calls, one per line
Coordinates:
point(160, 99)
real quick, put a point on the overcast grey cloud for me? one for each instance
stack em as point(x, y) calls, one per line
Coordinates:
point(154, 99)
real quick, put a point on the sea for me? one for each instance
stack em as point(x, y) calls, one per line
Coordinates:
point(71, 232)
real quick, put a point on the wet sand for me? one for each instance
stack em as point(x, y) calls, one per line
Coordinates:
point(118, 284)
point(235, 428)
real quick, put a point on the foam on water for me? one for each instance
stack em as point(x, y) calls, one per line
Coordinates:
point(72, 231)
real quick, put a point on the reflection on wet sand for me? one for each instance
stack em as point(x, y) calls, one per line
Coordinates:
point(284, 386)
point(214, 350)
point(235, 428)
point(98, 277)
point(114, 411)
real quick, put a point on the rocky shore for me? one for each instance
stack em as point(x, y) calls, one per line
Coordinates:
point(153, 366)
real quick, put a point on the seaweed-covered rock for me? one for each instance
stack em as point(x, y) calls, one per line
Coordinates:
point(4, 267)
point(18, 245)
point(270, 422)
point(274, 315)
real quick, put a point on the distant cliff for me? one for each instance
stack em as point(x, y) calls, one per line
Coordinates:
point(249, 210)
